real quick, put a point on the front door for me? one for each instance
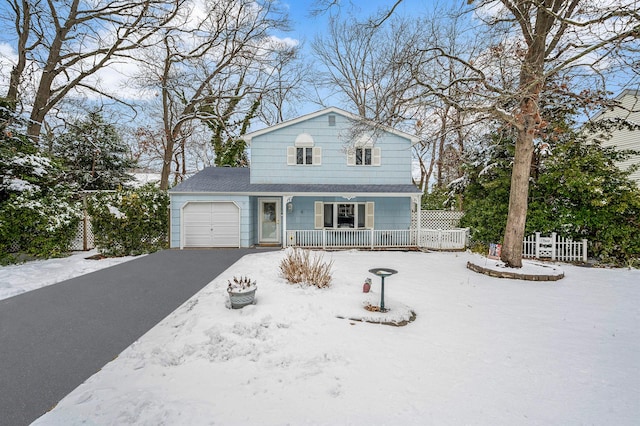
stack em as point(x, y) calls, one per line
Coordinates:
point(269, 220)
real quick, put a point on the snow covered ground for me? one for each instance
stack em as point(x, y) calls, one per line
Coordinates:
point(16, 279)
point(481, 351)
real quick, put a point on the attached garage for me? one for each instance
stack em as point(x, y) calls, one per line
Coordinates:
point(211, 224)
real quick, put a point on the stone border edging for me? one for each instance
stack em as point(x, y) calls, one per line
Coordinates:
point(513, 275)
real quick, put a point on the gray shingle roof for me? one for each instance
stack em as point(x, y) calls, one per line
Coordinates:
point(230, 180)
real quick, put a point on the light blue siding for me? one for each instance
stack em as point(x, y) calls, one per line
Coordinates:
point(247, 234)
point(269, 156)
point(389, 214)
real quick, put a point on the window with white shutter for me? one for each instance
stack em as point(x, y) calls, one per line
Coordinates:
point(344, 215)
point(303, 152)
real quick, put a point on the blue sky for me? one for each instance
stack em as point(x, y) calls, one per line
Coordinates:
point(305, 27)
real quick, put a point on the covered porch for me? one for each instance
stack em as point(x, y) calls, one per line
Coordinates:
point(379, 221)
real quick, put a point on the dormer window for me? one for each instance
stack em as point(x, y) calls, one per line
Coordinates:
point(304, 152)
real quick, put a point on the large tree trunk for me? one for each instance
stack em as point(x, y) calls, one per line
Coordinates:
point(518, 200)
point(527, 122)
point(166, 163)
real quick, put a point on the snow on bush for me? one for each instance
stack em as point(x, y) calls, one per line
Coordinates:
point(130, 221)
point(39, 226)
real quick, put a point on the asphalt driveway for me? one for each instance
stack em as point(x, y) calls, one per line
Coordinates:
point(54, 338)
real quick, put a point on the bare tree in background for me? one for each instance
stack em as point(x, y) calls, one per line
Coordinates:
point(69, 42)
point(371, 64)
point(287, 80)
point(258, 88)
point(369, 67)
point(199, 63)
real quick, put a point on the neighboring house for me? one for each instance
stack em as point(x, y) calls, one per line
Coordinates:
point(311, 183)
point(624, 138)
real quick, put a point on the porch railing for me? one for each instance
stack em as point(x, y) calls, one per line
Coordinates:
point(436, 239)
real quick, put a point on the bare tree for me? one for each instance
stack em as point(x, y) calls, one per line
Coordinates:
point(369, 66)
point(25, 43)
point(543, 39)
point(70, 41)
point(286, 82)
point(202, 64)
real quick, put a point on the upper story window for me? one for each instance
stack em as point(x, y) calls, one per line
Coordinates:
point(363, 153)
point(304, 152)
point(304, 155)
point(363, 156)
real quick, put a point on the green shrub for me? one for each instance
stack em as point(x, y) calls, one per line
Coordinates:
point(35, 226)
point(130, 221)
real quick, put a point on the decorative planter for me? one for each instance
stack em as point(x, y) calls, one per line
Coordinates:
point(240, 300)
point(366, 286)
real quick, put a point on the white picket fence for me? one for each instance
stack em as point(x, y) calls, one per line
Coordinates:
point(554, 247)
point(434, 239)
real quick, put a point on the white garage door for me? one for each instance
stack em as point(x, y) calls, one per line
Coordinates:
point(211, 225)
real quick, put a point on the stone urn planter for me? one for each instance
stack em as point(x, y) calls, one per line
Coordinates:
point(242, 292)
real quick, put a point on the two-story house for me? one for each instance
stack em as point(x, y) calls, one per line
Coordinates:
point(328, 178)
point(622, 139)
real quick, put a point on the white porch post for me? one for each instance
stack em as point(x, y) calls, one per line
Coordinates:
point(285, 200)
point(418, 200)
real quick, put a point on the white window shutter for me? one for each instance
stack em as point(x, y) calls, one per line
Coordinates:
point(376, 152)
point(368, 219)
point(351, 157)
point(291, 155)
point(317, 156)
point(319, 214)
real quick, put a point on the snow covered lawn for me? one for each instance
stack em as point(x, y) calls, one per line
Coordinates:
point(481, 351)
point(17, 279)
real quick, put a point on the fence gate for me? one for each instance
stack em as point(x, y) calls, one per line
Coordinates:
point(554, 247)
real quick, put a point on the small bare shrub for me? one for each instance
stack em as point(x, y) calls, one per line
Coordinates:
point(299, 267)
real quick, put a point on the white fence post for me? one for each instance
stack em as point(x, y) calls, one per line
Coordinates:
point(584, 249)
point(553, 246)
point(537, 246)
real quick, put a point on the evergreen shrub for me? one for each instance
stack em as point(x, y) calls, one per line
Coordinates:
point(32, 226)
point(130, 221)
